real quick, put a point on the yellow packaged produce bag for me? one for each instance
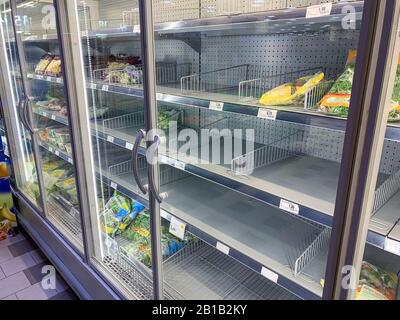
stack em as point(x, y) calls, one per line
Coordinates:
point(289, 93)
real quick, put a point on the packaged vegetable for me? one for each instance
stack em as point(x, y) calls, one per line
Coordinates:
point(43, 63)
point(376, 284)
point(290, 93)
point(337, 101)
point(54, 68)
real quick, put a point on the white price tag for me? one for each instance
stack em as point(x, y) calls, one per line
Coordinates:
point(267, 114)
point(319, 10)
point(44, 114)
point(57, 153)
point(269, 275)
point(129, 146)
point(84, 33)
point(177, 228)
point(136, 28)
point(289, 207)
point(59, 80)
point(110, 139)
point(93, 86)
point(223, 248)
point(173, 163)
point(114, 186)
point(51, 149)
point(70, 161)
point(40, 77)
point(216, 106)
point(53, 117)
point(392, 246)
point(45, 37)
point(105, 87)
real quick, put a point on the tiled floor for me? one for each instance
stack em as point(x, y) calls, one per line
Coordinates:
point(21, 266)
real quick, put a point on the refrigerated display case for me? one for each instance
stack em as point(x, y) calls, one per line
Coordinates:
point(243, 201)
point(265, 211)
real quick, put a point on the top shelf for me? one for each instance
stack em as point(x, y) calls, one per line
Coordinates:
point(289, 20)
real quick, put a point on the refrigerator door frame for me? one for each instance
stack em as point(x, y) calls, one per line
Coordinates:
point(363, 149)
point(69, 24)
point(13, 122)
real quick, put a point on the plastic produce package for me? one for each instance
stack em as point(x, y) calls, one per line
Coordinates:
point(140, 247)
point(290, 93)
point(337, 101)
point(376, 284)
point(119, 213)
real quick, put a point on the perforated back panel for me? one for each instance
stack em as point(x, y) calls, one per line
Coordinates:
point(281, 53)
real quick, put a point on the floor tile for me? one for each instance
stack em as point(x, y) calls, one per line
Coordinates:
point(5, 254)
point(11, 297)
point(9, 241)
point(36, 292)
point(21, 247)
point(34, 274)
point(18, 264)
point(61, 285)
point(65, 295)
point(2, 275)
point(13, 284)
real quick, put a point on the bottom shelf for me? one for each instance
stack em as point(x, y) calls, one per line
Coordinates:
point(200, 272)
point(61, 217)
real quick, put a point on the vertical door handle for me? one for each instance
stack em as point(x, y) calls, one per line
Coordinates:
point(139, 137)
point(26, 115)
point(20, 108)
point(150, 156)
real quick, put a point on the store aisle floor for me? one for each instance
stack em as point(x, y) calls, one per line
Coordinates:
point(21, 267)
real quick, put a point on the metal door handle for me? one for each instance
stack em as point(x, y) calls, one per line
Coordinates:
point(20, 113)
point(152, 186)
point(139, 137)
point(26, 116)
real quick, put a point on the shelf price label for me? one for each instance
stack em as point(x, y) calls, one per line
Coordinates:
point(53, 117)
point(289, 207)
point(40, 77)
point(93, 86)
point(129, 146)
point(177, 228)
point(267, 114)
point(59, 80)
point(45, 37)
point(57, 153)
point(392, 246)
point(114, 186)
point(110, 139)
point(105, 87)
point(270, 275)
point(319, 10)
point(223, 248)
point(216, 106)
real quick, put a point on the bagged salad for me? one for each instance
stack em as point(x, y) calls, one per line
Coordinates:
point(290, 93)
point(337, 101)
point(140, 242)
point(119, 213)
point(376, 284)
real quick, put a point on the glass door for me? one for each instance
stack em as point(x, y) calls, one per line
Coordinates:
point(45, 110)
point(13, 97)
point(252, 100)
point(107, 63)
point(375, 274)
